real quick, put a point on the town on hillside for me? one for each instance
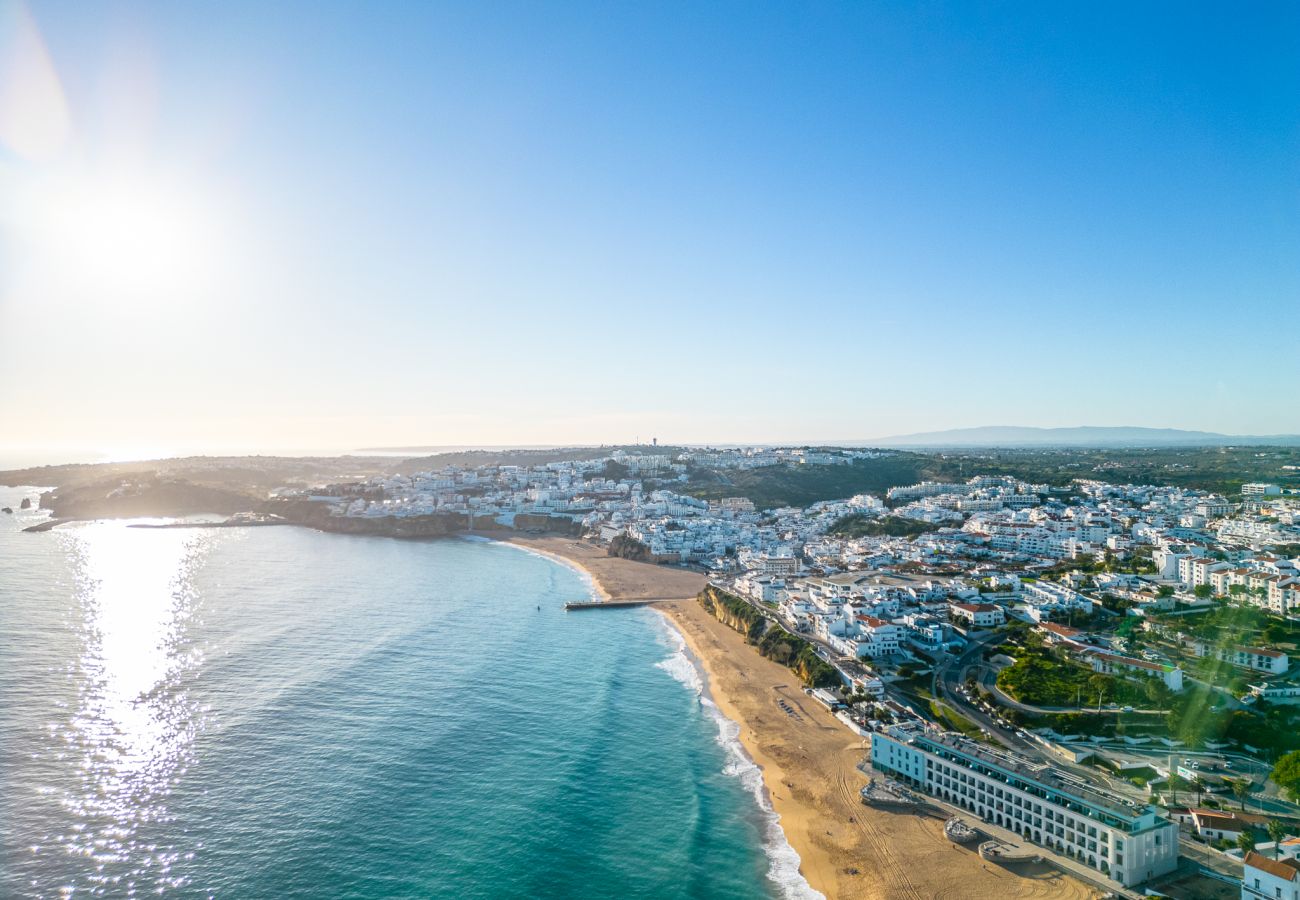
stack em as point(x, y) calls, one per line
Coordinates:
point(1101, 672)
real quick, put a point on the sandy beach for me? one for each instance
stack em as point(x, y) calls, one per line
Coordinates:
point(809, 760)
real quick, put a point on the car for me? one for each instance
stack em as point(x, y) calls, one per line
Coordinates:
point(1128, 709)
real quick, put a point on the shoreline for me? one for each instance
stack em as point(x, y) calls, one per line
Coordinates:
point(785, 865)
point(807, 759)
point(596, 587)
point(785, 862)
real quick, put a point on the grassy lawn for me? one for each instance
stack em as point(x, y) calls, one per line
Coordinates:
point(956, 721)
point(1040, 679)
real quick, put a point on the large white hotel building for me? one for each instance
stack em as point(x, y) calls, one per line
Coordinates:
point(1125, 841)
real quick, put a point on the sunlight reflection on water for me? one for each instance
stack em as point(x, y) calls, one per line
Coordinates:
point(134, 725)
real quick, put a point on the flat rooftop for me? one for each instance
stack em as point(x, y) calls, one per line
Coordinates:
point(1045, 774)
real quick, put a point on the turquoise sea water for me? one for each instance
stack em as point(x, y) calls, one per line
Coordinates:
point(276, 712)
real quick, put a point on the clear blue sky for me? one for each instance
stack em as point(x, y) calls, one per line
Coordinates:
point(542, 223)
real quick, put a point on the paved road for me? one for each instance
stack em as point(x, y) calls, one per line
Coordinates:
point(1216, 862)
point(949, 676)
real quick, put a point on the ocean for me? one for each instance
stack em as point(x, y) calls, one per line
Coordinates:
point(277, 712)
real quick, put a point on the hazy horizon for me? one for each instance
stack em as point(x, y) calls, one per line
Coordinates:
point(498, 225)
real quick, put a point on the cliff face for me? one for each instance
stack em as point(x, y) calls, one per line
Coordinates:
point(627, 547)
point(536, 522)
point(771, 639)
point(735, 613)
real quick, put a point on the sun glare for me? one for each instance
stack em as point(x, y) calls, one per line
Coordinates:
point(120, 237)
point(136, 452)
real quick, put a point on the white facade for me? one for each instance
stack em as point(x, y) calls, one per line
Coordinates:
point(980, 615)
point(1270, 879)
point(1113, 664)
point(1272, 662)
point(1122, 841)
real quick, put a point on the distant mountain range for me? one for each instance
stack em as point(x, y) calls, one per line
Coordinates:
point(1082, 436)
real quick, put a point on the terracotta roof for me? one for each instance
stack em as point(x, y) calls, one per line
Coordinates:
point(872, 621)
point(1260, 651)
point(976, 607)
point(1218, 820)
point(1286, 869)
point(1064, 631)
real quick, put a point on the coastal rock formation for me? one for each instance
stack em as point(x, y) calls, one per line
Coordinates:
point(628, 547)
point(769, 638)
point(144, 497)
point(26, 504)
point(7, 510)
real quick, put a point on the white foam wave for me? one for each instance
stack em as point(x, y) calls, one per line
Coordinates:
point(783, 859)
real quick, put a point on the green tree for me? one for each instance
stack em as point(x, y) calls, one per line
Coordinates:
point(1156, 691)
point(1204, 591)
point(1276, 831)
point(1286, 774)
point(615, 470)
point(1246, 841)
point(1241, 790)
point(1165, 590)
point(1096, 690)
point(1176, 784)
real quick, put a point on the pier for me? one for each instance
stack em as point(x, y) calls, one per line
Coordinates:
point(611, 604)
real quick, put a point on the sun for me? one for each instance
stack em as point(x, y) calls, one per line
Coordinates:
point(124, 237)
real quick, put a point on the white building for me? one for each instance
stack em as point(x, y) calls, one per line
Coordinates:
point(1114, 664)
point(1167, 558)
point(1270, 879)
point(864, 636)
point(778, 564)
point(763, 588)
point(979, 615)
point(1047, 600)
point(1196, 570)
point(1273, 662)
point(1123, 841)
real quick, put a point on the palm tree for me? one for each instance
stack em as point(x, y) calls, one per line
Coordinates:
point(1245, 841)
point(1176, 784)
point(1241, 790)
point(1199, 784)
point(1276, 831)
